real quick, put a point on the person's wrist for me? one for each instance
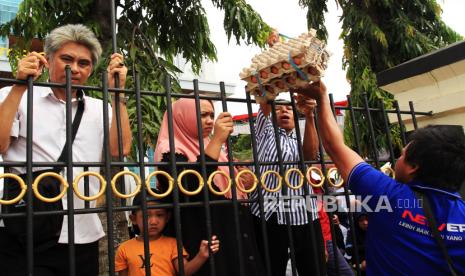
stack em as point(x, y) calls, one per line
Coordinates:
point(310, 115)
point(21, 77)
point(123, 99)
point(218, 138)
point(214, 138)
point(17, 85)
point(322, 98)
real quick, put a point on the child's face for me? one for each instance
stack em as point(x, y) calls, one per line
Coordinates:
point(363, 223)
point(157, 219)
point(285, 117)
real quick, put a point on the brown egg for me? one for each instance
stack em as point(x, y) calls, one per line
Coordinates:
point(280, 84)
point(274, 70)
point(291, 79)
point(263, 74)
point(285, 65)
point(312, 71)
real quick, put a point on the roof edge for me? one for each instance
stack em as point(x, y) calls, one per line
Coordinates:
point(423, 64)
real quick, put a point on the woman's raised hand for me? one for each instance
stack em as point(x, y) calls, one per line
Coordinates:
point(224, 126)
point(222, 129)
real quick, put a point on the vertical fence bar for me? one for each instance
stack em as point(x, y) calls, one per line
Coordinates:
point(174, 173)
point(284, 187)
point(233, 190)
point(113, 25)
point(388, 132)
point(401, 123)
point(322, 161)
point(330, 214)
point(354, 125)
point(121, 182)
point(115, 50)
point(203, 171)
point(107, 160)
point(346, 192)
point(370, 128)
point(305, 187)
point(86, 188)
point(69, 171)
point(29, 210)
point(259, 188)
point(414, 117)
point(140, 148)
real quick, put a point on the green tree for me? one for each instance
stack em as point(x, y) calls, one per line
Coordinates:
point(379, 34)
point(242, 147)
point(150, 34)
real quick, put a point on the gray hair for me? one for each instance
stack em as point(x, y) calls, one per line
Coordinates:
point(77, 33)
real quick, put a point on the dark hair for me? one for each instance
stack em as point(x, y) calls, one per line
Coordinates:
point(439, 153)
point(137, 201)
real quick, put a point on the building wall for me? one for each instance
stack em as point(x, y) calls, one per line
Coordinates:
point(8, 9)
point(441, 91)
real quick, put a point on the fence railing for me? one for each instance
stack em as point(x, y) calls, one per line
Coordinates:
point(112, 188)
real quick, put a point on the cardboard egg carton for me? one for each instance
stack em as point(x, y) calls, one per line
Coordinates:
point(272, 72)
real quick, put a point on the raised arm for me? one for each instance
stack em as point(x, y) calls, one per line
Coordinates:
point(265, 107)
point(306, 105)
point(224, 126)
point(30, 65)
point(116, 65)
point(344, 158)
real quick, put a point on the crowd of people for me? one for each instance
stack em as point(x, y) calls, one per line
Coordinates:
point(262, 238)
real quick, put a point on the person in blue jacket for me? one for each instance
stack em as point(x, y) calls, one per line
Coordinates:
point(399, 240)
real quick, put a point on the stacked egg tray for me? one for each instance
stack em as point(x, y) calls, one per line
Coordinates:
point(287, 64)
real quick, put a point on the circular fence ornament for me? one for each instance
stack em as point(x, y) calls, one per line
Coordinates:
point(278, 186)
point(301, 178)
point(35, 187)
point(118, 175)
point(170, 184)
point(254, 185)
point(21, 184)
point(183, 190)
point(309, 176)
point(210, 183)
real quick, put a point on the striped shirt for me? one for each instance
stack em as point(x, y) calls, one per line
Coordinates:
point(298, 206)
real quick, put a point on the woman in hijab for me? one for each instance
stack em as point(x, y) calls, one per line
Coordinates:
point(193, 218)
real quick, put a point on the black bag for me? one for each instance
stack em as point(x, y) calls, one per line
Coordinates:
point(46, 228)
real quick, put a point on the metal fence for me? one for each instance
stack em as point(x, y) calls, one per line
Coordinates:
point(175, 178)
point(112, 191)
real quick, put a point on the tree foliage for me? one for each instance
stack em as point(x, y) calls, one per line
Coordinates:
point(151, 33)
point(377, 35)
point(242, 146)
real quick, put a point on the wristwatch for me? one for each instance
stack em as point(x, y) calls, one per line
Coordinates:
point(123, 99)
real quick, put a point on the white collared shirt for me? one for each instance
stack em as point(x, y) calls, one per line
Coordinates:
point(49, 137)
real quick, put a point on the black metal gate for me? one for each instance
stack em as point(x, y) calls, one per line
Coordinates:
point(110, 209)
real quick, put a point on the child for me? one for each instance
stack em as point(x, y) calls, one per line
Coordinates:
point(361, 227)
point(130, 259)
